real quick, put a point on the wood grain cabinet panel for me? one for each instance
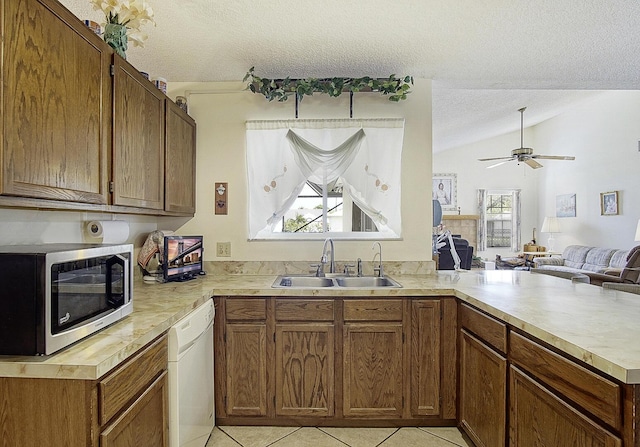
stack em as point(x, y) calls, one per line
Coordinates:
point(180, 160)
point(425, 357)
point(596, 394)
point(491, 331)
point(539, 418)
point(56, 105)
point(138, 139)
point(483, 392)
point(246, 369)
point(372, 377)
point(304, 369)
point(144, 423)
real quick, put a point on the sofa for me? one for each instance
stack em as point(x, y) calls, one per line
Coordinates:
point(464, 250)
point(581, 259)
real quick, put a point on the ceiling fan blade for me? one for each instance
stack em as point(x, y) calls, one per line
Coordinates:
point(554, 157)
point(531, 162)
point(501, 163)
point(496, 158)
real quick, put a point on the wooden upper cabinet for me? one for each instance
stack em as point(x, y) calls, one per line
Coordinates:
point(138, 139)
point(180, 161)
point(56, 105)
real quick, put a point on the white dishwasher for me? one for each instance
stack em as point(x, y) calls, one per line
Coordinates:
point(191, 400)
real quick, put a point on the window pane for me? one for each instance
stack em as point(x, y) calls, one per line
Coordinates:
point(499, 218)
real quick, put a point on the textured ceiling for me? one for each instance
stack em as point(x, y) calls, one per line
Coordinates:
point(487, 59)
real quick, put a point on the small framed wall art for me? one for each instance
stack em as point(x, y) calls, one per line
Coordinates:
point(566, 205)
point(444, 190)
point(609, 203)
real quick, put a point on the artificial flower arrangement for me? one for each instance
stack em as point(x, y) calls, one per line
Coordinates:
point(132, 14)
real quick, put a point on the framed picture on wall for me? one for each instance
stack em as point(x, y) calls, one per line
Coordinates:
point(609, 203)
point(444, 190)
point(566, 205)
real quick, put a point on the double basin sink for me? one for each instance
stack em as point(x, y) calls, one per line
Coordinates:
point(312, 282)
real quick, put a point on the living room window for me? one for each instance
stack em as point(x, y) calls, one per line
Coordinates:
point(499, 219)
point(499, 224)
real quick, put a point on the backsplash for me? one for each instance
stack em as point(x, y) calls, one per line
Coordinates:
point(304, 267)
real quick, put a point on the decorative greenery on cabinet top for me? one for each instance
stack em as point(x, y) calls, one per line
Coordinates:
point(280, 89)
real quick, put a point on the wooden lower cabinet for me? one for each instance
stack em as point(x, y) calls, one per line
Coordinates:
point(126, 408)
point(540, 418)
point(334, 361)
point(144, 422)
point(372, 378)
point(246, 362)
point(305, 369)
point(483, 392)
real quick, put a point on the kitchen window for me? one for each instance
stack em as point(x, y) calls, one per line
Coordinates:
point(311, 179)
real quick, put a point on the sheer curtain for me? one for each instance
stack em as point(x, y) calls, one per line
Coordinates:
point(283, 155)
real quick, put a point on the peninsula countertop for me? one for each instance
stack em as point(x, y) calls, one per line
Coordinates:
point(600, 327)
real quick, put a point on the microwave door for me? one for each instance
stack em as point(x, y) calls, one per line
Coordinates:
point(117, 279)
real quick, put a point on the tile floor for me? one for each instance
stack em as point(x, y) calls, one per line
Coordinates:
point(235, 436)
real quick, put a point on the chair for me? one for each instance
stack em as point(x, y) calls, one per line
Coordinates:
point(632, 288)
point(575, 277)
point(464, 250)
point(630, 273)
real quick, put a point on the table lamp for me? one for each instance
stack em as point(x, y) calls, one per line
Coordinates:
point(550, 225)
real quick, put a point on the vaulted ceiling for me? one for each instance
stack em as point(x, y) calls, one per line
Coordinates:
point(486, 59)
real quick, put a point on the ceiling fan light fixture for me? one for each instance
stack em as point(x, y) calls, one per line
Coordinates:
point(525, 154)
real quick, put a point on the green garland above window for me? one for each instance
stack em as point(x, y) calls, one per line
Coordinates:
point(280, 89)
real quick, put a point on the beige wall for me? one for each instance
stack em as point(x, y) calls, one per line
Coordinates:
point(221, 110)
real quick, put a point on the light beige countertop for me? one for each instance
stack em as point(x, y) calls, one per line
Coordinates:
point(600, 327)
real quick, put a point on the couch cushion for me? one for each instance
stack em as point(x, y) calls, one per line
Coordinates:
point(598, 259)
point(619, 259)
point(575, 255)
point(559, 268)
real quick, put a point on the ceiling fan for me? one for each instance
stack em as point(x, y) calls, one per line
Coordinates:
point(525, 154)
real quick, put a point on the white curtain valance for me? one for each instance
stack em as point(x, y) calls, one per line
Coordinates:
point(283, 155)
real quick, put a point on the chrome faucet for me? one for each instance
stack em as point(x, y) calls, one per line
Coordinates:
point(359, 267)
point(323, 259)
point(379, 268)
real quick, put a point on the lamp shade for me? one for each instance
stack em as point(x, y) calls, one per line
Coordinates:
point(550, 225)
point(637, 238)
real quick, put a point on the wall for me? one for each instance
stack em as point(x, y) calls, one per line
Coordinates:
point(602, 133)
point(23, 227)
point(221, 110)
point(473, 175)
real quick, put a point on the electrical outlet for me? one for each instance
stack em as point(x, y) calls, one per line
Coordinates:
point(223, 249)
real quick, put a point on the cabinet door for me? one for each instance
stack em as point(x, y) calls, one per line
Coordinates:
point(372, 377)
point(180, 161)
point(425, 357)
point(138, 139)
point(483, 392)
point(540, 418)
point(304, 369)
point(144, 422)
point(56, 105)
point(246, 369)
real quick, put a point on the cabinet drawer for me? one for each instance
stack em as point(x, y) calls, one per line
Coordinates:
point(304, 310)
point(373, 310)
point(130, 379)
point(488, 329)
point(246, 309)
point(589, 390)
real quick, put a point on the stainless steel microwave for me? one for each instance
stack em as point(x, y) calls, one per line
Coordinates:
point(56, 294)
